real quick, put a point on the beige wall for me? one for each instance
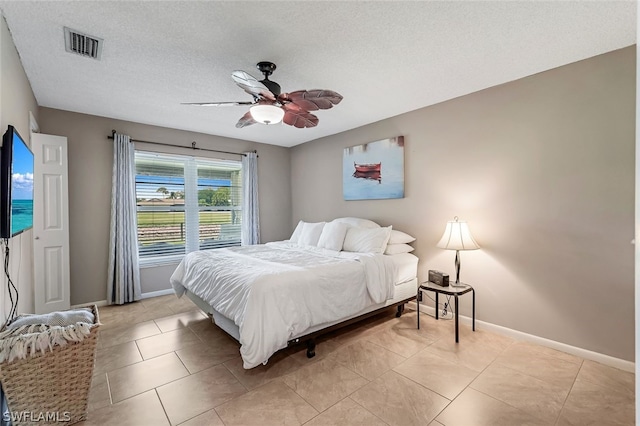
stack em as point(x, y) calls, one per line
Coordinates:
point(90, 162)
point(542, 169)
point(16, 101)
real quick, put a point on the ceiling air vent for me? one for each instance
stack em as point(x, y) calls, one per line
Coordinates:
point(82, 44)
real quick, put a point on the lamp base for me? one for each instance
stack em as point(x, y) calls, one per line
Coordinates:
point(457, 283)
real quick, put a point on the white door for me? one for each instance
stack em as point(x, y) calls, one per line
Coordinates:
point(50, 223)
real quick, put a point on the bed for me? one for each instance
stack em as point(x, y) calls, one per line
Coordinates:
point(274, 295)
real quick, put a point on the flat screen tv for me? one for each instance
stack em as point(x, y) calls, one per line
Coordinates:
point(16, 185)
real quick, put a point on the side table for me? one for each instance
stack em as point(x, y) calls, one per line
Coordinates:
point(454, 291)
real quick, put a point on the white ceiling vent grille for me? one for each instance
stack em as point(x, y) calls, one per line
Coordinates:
point(82, 44)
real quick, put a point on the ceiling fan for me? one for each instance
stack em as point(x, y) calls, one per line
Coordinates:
point(270, 106)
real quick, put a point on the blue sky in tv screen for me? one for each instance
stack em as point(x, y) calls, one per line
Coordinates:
point(22, 179)
point(21, 187)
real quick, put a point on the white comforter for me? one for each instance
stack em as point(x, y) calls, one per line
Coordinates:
point(276, 291)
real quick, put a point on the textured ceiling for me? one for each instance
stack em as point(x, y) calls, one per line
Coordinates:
point(385, 58)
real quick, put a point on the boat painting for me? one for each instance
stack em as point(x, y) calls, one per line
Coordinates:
point(365, 177)
point(368, 175)
point(367, 168)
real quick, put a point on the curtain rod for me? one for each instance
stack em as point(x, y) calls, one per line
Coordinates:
point(193, 146)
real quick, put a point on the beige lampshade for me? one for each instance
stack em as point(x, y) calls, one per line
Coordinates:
point(457, 237)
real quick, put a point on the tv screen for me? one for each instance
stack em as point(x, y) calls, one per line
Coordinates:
point(16, 185)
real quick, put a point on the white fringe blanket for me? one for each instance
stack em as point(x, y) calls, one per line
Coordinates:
point(19, 342)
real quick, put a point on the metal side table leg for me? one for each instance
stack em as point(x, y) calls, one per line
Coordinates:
point(456, 302)
point(418, 305)
point(473, 295)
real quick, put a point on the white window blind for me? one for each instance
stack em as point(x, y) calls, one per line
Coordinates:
point(186, 204)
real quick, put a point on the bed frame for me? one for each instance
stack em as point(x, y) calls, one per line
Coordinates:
point(310, 338)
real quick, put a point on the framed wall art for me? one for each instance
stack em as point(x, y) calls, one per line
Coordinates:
point(374, 170)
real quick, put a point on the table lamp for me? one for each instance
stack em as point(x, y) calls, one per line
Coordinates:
point(457, 237)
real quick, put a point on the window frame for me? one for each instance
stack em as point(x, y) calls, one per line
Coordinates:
point(192, 237)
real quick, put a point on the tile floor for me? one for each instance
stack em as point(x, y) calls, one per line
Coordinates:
point(161, 361)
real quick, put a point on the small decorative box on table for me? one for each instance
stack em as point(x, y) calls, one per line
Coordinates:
point(51, 384)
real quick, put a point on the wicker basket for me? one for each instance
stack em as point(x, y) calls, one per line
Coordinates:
point(51, 387)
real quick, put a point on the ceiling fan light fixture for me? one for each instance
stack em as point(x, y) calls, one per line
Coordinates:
point(270, 106)
point(267, 114)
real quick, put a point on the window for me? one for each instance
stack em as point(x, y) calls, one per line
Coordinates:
point(186, 204)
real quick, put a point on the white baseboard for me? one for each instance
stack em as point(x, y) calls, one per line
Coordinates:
point(142, 296)
point(430, 310)
point(519, 335)
point(98, 304)
point(156, 293)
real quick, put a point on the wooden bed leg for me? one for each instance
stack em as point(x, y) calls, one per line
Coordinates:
point(311, 348)
point(400, 310)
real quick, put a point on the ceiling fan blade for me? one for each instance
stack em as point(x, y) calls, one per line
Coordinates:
point(217, 103)
point(312, 100)
point(252, 86)
point(299, 118)
point(245, 120)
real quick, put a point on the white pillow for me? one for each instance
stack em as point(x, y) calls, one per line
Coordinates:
point(356, 221)
point(398, 248)
point(399, 237)
point(333, 235)
point(296, 232)
point(310, 234)
point(364, 240)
